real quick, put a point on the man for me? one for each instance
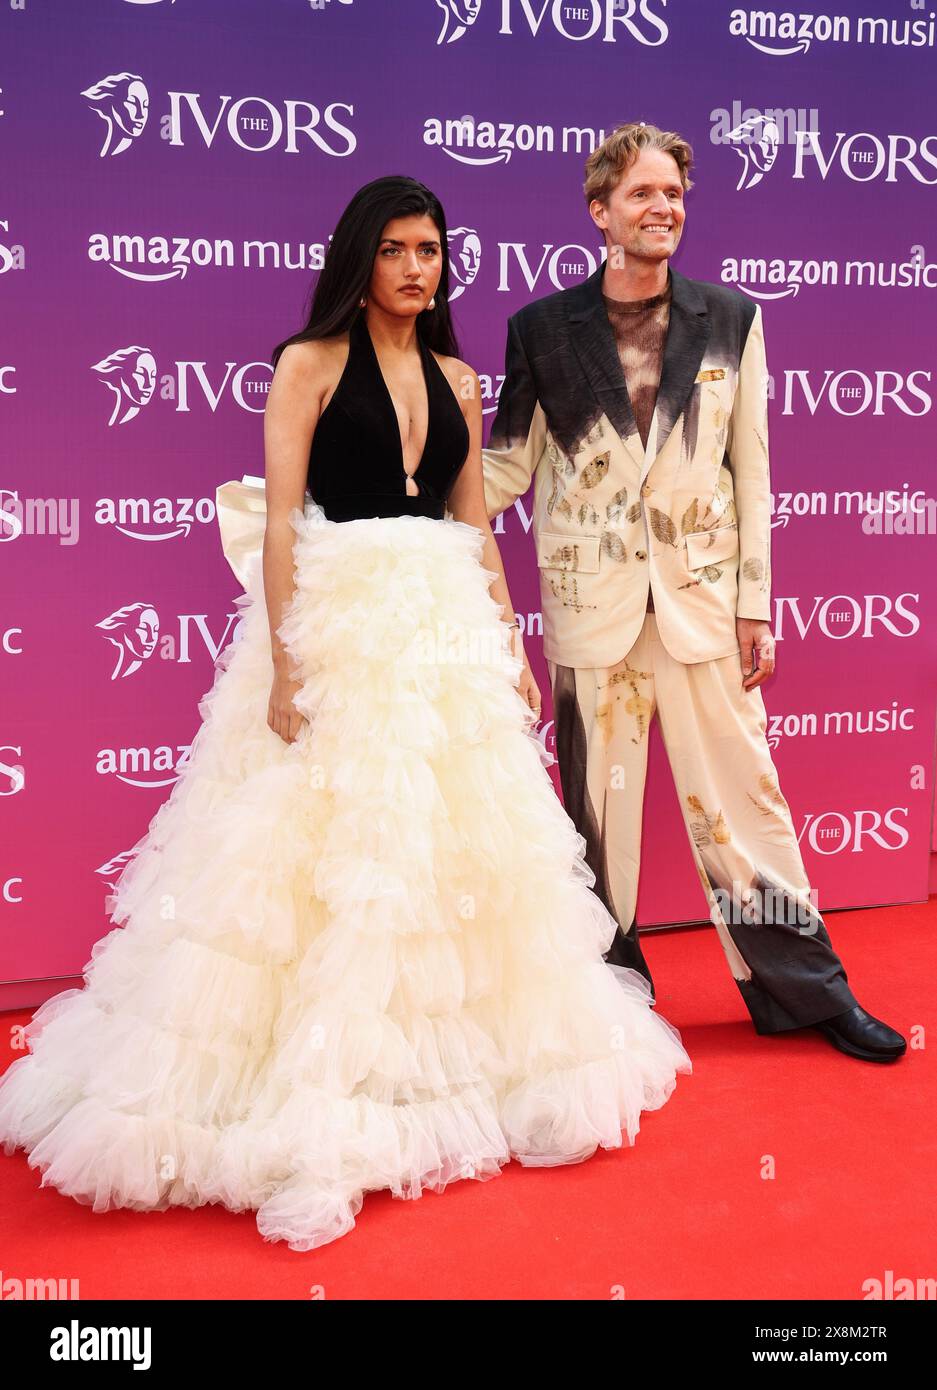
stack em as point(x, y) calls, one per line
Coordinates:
point(636, 401)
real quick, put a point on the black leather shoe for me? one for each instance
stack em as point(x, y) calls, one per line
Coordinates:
point(860, 1035)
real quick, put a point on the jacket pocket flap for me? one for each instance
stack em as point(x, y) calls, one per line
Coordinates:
point(708, 547)
point(559, 552)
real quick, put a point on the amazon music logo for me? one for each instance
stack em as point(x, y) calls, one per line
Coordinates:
point(842, 616)
point(161, 256)
point(839, 832)
point(606, 21)
point(253, 123)
point(154, 519)
point(135, 634)
point(130, 373)
point(783, 277)
point(479, 143)
point(839, 723)
point(887, 502)
point(145, 768)
point(782, 35)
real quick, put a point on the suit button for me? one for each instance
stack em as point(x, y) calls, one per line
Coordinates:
point(640, 554)
point(646, 490)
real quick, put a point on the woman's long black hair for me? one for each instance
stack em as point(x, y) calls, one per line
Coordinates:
point(346, 270)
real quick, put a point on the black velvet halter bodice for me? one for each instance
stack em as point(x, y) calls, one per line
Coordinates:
point(356, 458)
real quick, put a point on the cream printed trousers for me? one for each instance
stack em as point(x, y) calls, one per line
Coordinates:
point(739, 825)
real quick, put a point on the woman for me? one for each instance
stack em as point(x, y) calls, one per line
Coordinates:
point(362, 950)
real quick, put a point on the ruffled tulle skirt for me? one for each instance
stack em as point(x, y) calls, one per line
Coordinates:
point(367, 959)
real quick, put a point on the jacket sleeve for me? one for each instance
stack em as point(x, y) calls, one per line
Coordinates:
point(747, 447)
point(518, 435)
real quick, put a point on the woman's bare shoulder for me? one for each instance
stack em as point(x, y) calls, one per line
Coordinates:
point(315, 364)
point(312, 355)
point(461, 377)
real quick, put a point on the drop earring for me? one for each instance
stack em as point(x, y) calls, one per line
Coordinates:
point(432, 303)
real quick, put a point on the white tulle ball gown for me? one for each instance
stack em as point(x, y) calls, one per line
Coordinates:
point(368, 959)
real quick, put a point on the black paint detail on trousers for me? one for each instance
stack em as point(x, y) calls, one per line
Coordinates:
point(797, 977)
point(571, 756)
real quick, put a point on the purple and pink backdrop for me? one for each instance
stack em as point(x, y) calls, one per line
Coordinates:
point(171, 173)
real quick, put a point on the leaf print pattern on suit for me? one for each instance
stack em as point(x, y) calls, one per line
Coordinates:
point(555, 491)
point(706, 828)
point(565, 556)
point(566, 589)
point(615, 511)
point(662, 526)
point(638, 706)
point(563, 468)
point(595, 470)
point(758, 571)
point(720, 420)
point(772, 801)
point(711, 573)
point(604, 719)
point(689, 519)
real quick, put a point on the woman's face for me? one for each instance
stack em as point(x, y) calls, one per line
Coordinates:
point(407, 266)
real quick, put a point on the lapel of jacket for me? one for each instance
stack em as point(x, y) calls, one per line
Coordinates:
point(594, 342)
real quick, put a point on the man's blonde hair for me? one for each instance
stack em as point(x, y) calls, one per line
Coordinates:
point(609, 161)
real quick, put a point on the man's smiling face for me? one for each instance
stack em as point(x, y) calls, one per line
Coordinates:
point(645, 212)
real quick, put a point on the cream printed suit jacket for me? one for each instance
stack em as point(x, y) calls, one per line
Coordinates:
point(689, 516)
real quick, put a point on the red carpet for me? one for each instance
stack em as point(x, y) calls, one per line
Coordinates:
point(685, 1214)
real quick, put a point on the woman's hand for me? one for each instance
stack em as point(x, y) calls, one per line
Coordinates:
point(282, 715)
point(527, 685)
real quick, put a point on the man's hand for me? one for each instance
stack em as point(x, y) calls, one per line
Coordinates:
point(756, 651)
